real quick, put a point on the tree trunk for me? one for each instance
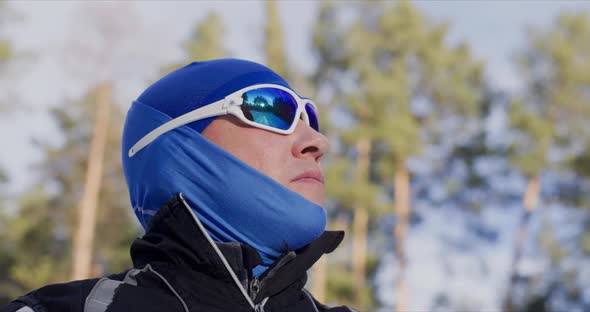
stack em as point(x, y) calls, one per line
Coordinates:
point(529, 201)
point(359, 251)
point(360, 223)
point(321, 270)
point(401, 182)
point(319, 278)
point(83, 241)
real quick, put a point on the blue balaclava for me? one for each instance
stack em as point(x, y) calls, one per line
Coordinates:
point(235, 202)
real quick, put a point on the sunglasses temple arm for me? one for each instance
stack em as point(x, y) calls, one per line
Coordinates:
point(213, 109)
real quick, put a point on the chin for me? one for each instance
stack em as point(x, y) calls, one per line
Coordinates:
point(310, 191)
point(318, 199)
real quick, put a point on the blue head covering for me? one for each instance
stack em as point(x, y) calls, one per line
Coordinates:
point(201, 83)
point(235, 202)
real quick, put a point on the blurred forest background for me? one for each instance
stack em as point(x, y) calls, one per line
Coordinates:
point(456, 195)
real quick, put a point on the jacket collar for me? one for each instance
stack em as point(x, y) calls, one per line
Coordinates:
point(175, 239)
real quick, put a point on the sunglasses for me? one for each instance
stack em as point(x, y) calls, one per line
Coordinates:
point(266, 106)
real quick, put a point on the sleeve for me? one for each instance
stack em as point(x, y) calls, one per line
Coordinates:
point(64, 297)
point(16, 306)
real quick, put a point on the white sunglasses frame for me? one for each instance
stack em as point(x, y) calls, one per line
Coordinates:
point(229, 105)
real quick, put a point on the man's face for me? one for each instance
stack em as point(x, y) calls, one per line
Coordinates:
point(292, 160)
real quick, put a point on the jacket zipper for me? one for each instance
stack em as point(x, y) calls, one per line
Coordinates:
point(254, 287)
point(255, 307)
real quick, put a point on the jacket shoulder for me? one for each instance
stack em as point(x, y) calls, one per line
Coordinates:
point(66, 297)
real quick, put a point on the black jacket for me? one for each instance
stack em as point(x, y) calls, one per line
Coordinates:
point(177, 267)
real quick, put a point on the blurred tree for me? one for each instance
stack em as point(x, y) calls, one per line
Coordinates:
point(31, 250)
point(528, 153)
point(326, 42)
point(409, 80)
point(347, 181)
point(207, 39)
point(470, 152)
point(65, 170)
point(36, 239)
point(6, 49)
point(205, 42)
point(111, 39)
point(581, 163)
point(6, 52)
point(549, 117)
point(84, 237)
point(349, 186)
point(5, 254)
point(274, 45)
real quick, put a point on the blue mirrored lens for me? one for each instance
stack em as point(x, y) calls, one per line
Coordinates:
point(313, 117)
point(269, 106)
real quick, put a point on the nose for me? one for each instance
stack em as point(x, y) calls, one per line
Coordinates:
point(309, 143)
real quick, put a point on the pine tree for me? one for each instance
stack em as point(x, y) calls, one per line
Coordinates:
point(110, 29)
point(83, 242)
point(551, 113)
point(331, 281)
point(274, 45)
point(32, 251)
point(6, 51)
point(65, 168)
point(36, 239)
point(348, 185)
point(205, 42)
point(402, 61)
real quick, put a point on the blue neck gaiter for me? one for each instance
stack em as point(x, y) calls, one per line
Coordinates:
point(235, 202)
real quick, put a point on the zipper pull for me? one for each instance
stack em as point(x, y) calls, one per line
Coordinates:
point(254, 287)
point(259, 308)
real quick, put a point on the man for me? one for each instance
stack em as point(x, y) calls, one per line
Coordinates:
point(222, 160)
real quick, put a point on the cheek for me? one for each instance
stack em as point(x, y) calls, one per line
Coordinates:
point(272, 159)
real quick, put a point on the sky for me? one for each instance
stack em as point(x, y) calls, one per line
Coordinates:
point(495, 30)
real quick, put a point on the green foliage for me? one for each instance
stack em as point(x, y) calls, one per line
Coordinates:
point(550, 117)
point(327, 42)
point(35, 242)
point(551, 244)
point(529, 150)
point(585, 242)
point(340, 284)
point(397, 150)
point(399, 59)
point(65, 167)
point(6, 52)
point(393, 58)
point(581, 163)
point(555, 107)
point(469, 153)
point(31, 250)
point(274, 46)
point(4, 179)
point(347, 191)
point(396, 57)
point(205, 42)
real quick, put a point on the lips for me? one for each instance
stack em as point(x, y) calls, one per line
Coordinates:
point(312, 174)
